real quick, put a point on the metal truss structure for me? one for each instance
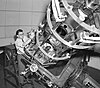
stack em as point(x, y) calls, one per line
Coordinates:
point(64, 41)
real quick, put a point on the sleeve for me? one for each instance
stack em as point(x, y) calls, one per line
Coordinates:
point(27, 40)
point(19, 43)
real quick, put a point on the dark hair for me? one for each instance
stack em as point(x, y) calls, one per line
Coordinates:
point(19, 30)
point(15, 37)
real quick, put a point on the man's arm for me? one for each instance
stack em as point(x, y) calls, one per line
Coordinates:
point(27, 41)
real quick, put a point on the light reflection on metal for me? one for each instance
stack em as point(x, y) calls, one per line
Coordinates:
point(65, 40)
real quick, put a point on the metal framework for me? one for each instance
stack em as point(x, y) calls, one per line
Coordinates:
point(65, 40)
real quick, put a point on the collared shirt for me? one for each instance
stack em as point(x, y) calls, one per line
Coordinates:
point(19, 44)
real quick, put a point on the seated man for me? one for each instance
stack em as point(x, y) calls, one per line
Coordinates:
point(21, 42)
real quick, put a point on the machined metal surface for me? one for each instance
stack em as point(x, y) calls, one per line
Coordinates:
point(64, 40)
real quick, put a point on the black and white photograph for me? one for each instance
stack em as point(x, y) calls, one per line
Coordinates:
point(49, 43)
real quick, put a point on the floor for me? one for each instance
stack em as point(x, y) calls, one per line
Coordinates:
point(94, 73)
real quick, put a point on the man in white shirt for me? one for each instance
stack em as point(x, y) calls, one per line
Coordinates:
point(21, 42)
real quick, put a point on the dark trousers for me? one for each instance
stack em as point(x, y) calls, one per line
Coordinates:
point(21, 67)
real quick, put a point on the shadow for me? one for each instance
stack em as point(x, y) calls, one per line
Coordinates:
point(94, 73)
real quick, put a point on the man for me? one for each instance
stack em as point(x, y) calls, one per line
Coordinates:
point(21, 42)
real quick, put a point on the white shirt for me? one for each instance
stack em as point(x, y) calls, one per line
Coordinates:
point(19, 44)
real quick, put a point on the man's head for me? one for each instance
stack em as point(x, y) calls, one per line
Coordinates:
point(19, 33)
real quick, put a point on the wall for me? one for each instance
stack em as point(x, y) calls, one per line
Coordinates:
point(16, 14)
